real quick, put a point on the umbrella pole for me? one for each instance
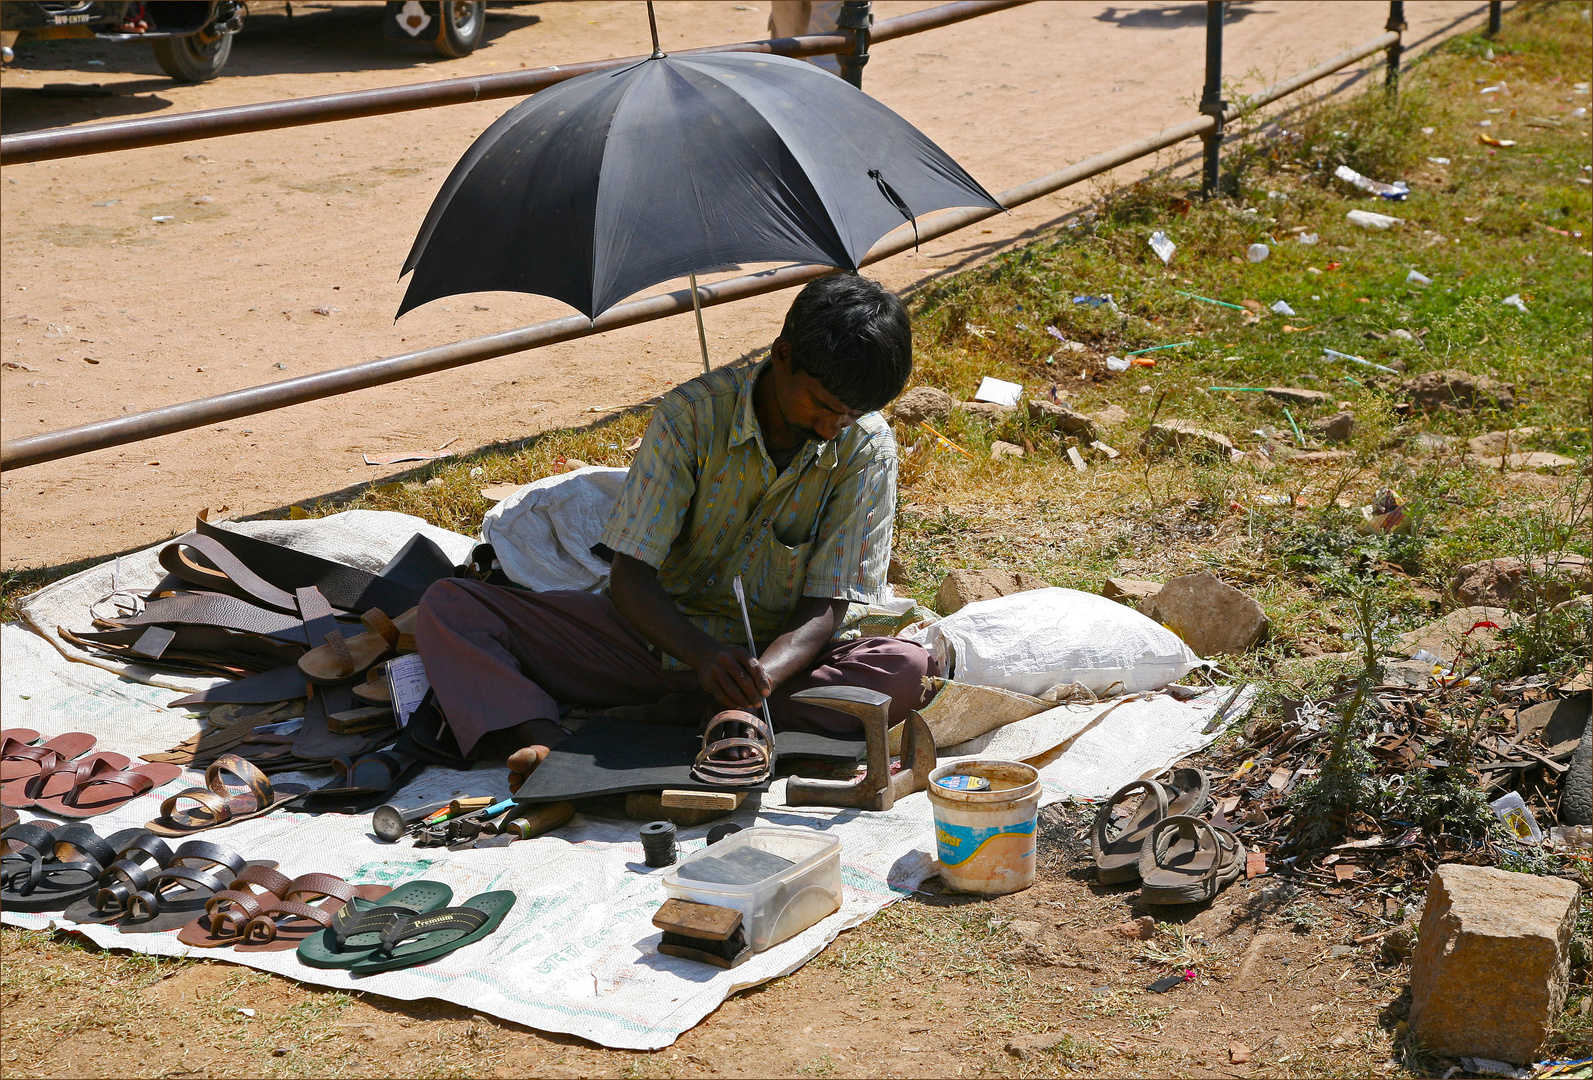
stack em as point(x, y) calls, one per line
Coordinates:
point(696, 307)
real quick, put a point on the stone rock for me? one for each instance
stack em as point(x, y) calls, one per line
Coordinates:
point(1110, 417)
point(988, 411)
point(1334, 429)
point(1180, 435)
point(923, 403)
point(1558, 724)
point(1497, 442)
point(1529, 462)
point(1444, 637)
point(1210, 616)
point(1140, 929)
point(999, 450)
point(1322, 457)
point(1061, 418)
point(1457, 391)
point(1497, 582)
point(1240, 1054)
point(1024, 1047)
point(1492, 959)
point(1299, 397)
point(1428, 443)
point(963, 587)
point(1027, 929)
point(1130, 591)
point(895, 572)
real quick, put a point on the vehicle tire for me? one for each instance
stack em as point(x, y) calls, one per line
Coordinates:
point(1576, 786)
point(464, 27)
point(192, 59)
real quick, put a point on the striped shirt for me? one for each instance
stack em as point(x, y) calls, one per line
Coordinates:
point(704, 502)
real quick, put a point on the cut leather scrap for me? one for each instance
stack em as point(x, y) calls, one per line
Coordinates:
point(346, 587)
point(216, 805)
point(279, 684)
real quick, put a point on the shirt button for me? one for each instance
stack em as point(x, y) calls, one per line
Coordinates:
point(711, 581)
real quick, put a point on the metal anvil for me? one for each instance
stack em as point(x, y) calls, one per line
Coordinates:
point(876, 789)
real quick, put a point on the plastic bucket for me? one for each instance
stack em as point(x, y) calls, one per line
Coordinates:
point(985, 838)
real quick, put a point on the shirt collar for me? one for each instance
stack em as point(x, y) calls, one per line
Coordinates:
point(744, 428)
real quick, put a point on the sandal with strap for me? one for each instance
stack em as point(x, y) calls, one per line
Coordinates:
point(49, 869)
point(175, 894)
point(357, 928)
point(420, 938)
point(1186, 860)
point(19, 760)
point(228, 912)
point(344, 660)
point(219, 805)
point(307, 907)
point(56, 782)
point(98, 788)
point(1117, 857)
point(713, 766)
point(138, 860)
point(363, 783)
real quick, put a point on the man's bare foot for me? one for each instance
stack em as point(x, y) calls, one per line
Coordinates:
point(673, 710)
point(523, 762)
point(526, 746)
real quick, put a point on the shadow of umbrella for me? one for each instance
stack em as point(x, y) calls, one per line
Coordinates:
point(1170, 18)
point(599, 187)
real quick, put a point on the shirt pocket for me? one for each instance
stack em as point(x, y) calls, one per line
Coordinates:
point(775, 576)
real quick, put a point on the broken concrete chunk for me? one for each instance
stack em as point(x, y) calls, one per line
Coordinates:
point(963, 587)
point(1212, 617)
point(1334, 429)
point(1497, 582)
point(1111, 416)
point(1444, 637)
point(1181, 435)
point(1024, 1047)
point(1529, 462)
point(923, 403)
point(1457, 391)
point(987, 411)
point(1495, 443)
point(1061, 418)
point(1299, 397)
point(999, 450)
point(1321, 457)
point(1492, 959)
point(1130, 591)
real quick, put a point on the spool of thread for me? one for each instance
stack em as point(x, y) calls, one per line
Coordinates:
point(722, 830)
point(658, 843)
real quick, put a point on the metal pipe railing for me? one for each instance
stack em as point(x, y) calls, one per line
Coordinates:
point(49, 446)
point(326, 108)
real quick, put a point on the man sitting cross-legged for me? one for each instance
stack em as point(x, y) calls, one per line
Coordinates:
point(783, 473)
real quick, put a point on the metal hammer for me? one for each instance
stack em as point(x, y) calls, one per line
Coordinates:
point(876, 789)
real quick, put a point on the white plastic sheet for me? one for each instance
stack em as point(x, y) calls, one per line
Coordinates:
point(543, 533)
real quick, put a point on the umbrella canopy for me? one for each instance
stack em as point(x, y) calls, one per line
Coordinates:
point(603, 185)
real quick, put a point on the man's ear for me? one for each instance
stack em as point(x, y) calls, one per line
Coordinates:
point(780, 353)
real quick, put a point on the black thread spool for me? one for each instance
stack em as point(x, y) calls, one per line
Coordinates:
point(658, 843)
point(722, 830)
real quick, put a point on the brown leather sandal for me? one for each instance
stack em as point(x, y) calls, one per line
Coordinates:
point(217, 805)
point(306, 908)
point(714, 766)
point(343, 660)
point(228, 913)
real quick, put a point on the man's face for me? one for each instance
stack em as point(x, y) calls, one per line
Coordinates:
point(810, 411)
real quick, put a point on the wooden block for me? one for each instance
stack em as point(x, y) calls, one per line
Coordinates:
point(723, 801)
point(646, 806)
point(697, 920)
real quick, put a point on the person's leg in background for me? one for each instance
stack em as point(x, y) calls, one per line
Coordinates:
point(889, 665)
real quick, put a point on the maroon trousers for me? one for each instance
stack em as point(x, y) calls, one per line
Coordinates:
point(499, 657)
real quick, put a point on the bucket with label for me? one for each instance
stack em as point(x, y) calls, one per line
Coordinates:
point(985, 811)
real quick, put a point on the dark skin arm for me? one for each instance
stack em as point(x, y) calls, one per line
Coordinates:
point(727, 672)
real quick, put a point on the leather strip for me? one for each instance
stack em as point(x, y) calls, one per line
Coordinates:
point(213, 854)
point(30, 834)
point(226, 572)
point(83, 840)
point(149, 845)
point(219, 610)
point(346, 587)
point(280, 684)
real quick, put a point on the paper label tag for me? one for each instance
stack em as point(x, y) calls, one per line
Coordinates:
point(406, 677)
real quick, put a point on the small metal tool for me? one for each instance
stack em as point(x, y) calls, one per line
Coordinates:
point(752, 646)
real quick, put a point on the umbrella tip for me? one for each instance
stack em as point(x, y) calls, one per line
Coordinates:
point(652, 24)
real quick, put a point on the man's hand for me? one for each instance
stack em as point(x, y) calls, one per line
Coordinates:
point(734, 678)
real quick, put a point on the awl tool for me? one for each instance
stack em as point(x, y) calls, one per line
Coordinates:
point(752, 646)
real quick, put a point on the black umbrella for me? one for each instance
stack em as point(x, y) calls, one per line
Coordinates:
point(603, 185)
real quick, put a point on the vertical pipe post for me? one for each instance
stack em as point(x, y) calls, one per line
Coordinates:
point(702, 335)
point(856, 16)
point(1211, 102)
point(1396, 23)
point(1495, 16)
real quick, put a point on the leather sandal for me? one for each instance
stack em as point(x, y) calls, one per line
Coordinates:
point(55, 782)
point(228, 912)
point(98, 788)
point(357, 928)
point(218, 805)
point(343, 660)
point(152, 901)
point(47, 869)
point(20, 760)
point(307, 907)
point(1186, 860)
point(714, 767)
point(1117, 857)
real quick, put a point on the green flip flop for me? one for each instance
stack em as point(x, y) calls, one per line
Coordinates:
point(436, 933)
point(357, 928)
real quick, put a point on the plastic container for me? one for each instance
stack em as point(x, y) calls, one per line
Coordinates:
point(985, 839)
point(781, 880)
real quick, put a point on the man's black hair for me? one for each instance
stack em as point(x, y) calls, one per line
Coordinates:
point(853, 336)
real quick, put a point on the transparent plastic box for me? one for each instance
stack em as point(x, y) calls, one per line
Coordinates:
point(778, 896)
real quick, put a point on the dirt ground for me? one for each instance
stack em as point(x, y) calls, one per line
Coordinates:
point(284, 252)
point(1038, 983)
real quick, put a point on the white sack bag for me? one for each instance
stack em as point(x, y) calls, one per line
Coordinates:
point(1031, 641)
point(543, 533)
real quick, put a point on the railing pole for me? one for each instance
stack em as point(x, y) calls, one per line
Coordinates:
point(857, 16)
point(1211, 102)
point(1495, 16)
point(1396, 24)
